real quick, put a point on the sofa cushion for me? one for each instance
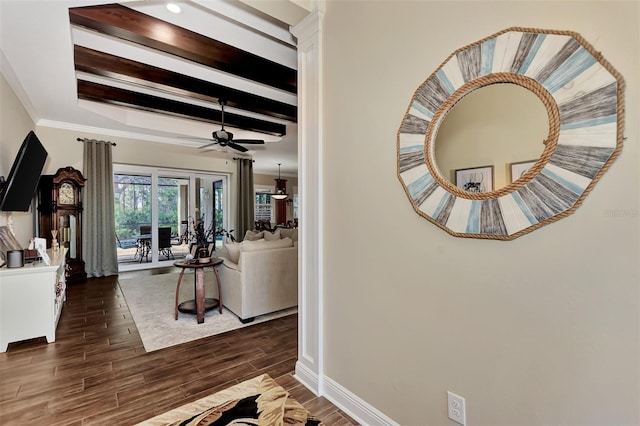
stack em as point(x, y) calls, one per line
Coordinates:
point(289, 232)
point(233, 250)
point(253, 235)
point(265, 245)
point(271, 236)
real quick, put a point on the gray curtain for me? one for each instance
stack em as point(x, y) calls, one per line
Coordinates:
point(99, 229)
point(246, 201)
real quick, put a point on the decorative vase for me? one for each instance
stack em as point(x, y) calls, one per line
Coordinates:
point(54, 242)
point(203, 255)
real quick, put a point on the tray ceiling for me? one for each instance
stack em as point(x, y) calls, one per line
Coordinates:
point(138, 68)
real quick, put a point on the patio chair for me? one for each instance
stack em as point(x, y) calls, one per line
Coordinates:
point(143, 245)
point(164, 242)
point(183, 237)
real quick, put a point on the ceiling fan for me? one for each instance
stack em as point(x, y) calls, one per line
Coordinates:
point(223, 138)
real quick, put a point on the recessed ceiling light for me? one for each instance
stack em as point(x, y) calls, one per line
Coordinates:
point(173, 8)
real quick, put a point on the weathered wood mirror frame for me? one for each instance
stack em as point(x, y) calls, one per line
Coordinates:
point(584, 98)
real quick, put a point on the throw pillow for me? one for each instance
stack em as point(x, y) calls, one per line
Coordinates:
point(270, 236)
point(289, 232)
point(265, 244)
point(233, 249)
point(253, 235)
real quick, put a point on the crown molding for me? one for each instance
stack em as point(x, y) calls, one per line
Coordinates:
point(13, 81)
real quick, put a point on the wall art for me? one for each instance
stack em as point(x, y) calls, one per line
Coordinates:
point(519, 169)
point(584, 98)
point(476, 179)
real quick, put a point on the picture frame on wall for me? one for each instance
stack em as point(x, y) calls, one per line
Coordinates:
point(475, 179)
point(518, 169)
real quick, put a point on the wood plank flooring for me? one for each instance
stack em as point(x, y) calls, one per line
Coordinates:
point(98, 373)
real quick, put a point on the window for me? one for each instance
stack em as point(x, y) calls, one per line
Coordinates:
point(132, 205)
point(264, 210)
point(295, 206)
point(154, 209)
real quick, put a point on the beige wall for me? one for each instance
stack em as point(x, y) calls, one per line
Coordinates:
point(540, 330)
point(15, 124)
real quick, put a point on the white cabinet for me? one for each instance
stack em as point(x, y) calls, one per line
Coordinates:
point(31, 300)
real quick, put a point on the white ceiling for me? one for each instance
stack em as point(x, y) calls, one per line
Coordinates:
point(36, 43)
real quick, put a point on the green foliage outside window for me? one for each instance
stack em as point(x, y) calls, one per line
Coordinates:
point(133, 204)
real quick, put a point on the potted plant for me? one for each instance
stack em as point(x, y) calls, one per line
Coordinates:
point(199, 236)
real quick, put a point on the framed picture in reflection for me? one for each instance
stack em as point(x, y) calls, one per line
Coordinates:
point(475, 179)
point(519, 169)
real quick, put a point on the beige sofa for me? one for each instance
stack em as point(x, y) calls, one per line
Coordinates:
point(259, 277)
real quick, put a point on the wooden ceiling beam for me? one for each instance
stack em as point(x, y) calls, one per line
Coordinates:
point(122, 69)
point(115, 96)
point(127, 24)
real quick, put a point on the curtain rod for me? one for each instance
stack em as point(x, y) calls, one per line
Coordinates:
point(241, 158)
point(85, 139)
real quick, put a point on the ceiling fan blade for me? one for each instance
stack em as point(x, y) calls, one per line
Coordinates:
point(250, 141)
point(195, 138)
point(223, 138)
point(209, 144)
point(237, 147)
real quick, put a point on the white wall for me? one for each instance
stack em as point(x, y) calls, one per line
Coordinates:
point(540, 330)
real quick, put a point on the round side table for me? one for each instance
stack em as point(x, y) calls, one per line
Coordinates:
point(200, 304)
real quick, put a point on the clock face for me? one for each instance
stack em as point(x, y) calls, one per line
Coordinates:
point(66, 194)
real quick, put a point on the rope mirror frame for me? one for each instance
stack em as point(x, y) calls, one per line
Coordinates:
point(584, 98)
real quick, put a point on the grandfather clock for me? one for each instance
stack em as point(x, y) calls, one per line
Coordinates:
point(60, 208)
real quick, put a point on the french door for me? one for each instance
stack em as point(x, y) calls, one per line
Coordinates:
point(156, 211)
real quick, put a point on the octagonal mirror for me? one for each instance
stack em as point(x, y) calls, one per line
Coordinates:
point(451, 181)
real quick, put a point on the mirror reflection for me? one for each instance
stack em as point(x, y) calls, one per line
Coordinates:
point(500, 125)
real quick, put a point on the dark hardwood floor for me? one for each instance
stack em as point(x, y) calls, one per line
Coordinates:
point(97, 371)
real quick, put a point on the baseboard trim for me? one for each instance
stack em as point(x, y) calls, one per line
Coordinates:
point(308, 378)
point(355, 407)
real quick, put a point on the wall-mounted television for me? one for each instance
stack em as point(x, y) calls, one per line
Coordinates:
point(21, 184)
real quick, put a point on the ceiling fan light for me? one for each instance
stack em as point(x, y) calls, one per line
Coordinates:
point(280, 196)
point(222, 135)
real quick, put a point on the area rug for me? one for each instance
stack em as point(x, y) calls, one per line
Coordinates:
point(151, 301)
point(257, 401)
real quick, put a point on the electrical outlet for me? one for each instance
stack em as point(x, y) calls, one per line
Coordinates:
point(456, 408)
